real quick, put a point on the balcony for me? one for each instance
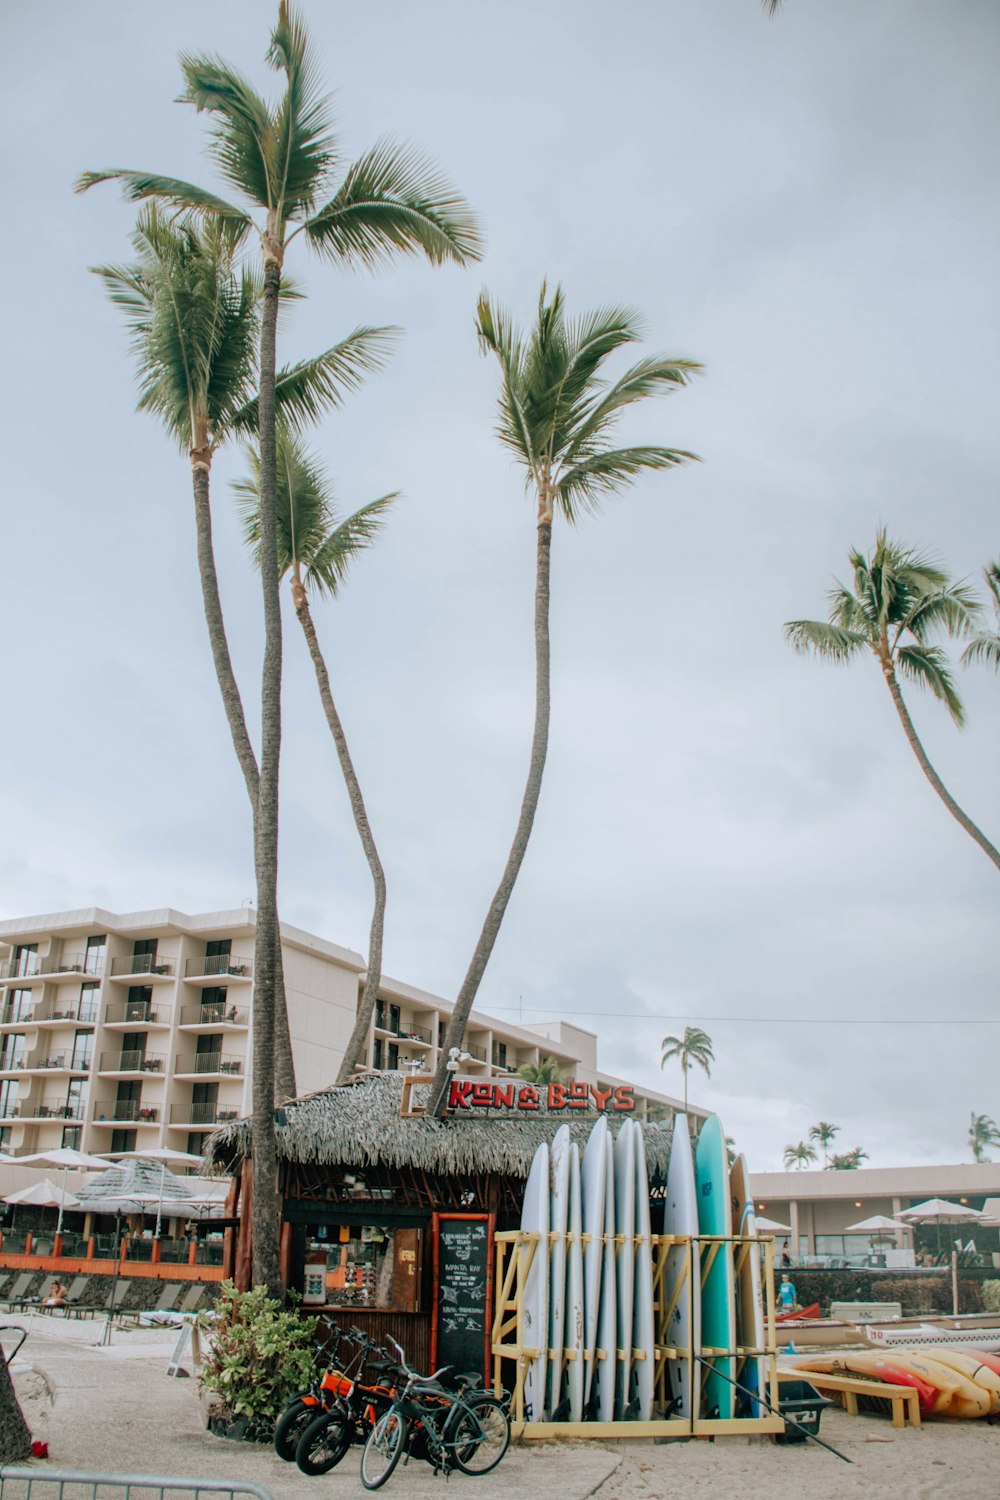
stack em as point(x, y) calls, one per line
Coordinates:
point(132, 1062)
point(211, 1064)
point(9, 974)
point(206, 1116)
point(128, 1111)
point(218, 966)
point(143, 966)
point(205, 1017)
point(43, 1109)
point(476, 1053)
point(40, 1061)
point(80, 1013)
point(137, 1013)
point(406, 1031)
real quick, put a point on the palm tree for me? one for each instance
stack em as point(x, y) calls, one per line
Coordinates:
point(799, 1156)
point(317, 549)
point(985, 647)
point(849, 1161)
point(983, 1133)
point(823, 1134)
point(556, 416)
point(695, 1046)
point(194, 318)
point(900, 599)
point(541, 1073)
point(282, 159)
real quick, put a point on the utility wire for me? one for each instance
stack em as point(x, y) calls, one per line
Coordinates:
point(645, 1015)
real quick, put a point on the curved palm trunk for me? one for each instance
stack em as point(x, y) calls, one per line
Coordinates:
point(929, 771)
point(529, 804)
point(266, 1266)
point(359, 1036)
point(232, 702)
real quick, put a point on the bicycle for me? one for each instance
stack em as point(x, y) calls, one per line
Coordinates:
point(323, 1442)
point(321, 1396)
point(469, 1431)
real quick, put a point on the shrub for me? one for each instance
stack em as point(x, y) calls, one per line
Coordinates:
point(991, 1296)
point(260, 1355)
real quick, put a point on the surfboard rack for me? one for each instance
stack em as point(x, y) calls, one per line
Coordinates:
point(515, 1252)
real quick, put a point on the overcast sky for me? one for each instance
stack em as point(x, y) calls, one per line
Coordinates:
point(808, 206)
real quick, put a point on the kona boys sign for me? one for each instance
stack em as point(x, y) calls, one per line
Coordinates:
point(553, 1098)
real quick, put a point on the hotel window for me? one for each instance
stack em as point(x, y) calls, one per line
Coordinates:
point(13, 1051)
point(213, 1003)
point(393, 1063)
point(8, 1098)
point(380, 1014)
point(96, 954)
point(71, 1137)
point(6, 1133)
point(144, 948)
point(26, 960)
point(87, 1008)
point(20, 1006)
point(377, 1053)
point(83, 1050)
point(394, 1019)
point(75, 1099)
point(500, 1055)
point(138, 1002)
point(123, 1140)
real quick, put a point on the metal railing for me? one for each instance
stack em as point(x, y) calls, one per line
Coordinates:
point(79, 1014)
point(141, 1012)
point(133, 1061)
point(208, 1062)
point(216, 964)
point(141, 963)
point(202, 1114)
point(76, 1484)
point(475, 1051)
point(45, 1109)
point(133, 1111)
point(215, 1014)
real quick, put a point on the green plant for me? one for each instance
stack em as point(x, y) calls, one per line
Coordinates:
point(990, 1291)
point(261, 1354)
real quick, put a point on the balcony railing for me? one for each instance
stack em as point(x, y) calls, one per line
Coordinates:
point(133, 1061)
point(202, 1114)
point(218, 964)
point(80, 1013)
point(475, 1051)
point(406, 1031)
point(43, 1109)
point(30, 1061)
point(141, 963)
point(134, 1111)
point(208, 1062)
point(215, 1015)
point(12, 970)
point(140, 1012)
point(89, 965)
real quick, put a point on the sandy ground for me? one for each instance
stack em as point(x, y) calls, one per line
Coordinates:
point(115, 1410)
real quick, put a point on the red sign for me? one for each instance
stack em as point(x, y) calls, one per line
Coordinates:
point(552, 1097)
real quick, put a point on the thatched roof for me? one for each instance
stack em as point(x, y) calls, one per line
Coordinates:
point(135, 1182)
point(359, 1124)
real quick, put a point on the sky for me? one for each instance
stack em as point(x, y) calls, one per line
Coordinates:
point(730, 836)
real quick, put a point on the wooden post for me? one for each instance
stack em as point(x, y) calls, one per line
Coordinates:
point(244, 1242)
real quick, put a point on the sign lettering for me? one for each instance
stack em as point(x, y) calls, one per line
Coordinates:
point(555, 1097)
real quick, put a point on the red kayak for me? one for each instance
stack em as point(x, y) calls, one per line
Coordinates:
point(793, 1314)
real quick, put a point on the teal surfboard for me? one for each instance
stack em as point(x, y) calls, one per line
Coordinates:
point(718, 1311)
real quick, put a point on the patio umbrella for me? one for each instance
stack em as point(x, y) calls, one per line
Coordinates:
point(878, 1226)
point(65, 1157)
point(162, 1154)
point(939, 1211)
point(43, 1195)
point(771, 1226)
point(130, 1188)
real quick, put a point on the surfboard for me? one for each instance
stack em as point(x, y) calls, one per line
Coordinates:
point(606, 1373)
point(535, 1317)
point(749, 1292)
point(718, 1319)
point(680, 1217)
point(594, 1179)
point(971, 1366)
point(558, 1219)
point(572, 1385)
point(643, 1337)
point(624, 1262)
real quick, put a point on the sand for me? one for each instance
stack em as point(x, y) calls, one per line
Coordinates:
point(115, 1410)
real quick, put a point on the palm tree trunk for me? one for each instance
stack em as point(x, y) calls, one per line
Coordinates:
point(15, 1436)
point(232, 702)
point(529, 804)
point(266, 1265)
point(929, 771)
point(359, 1036)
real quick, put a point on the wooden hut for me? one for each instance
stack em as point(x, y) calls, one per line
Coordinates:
point(379, 1198)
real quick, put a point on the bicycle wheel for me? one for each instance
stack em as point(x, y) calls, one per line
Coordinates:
point(481, 1434)
point(324, 1442)
point(290, 1426)
point(383, 1449)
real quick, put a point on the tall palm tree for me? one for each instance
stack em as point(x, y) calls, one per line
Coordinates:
point(557, 412)
point(823, 1134)
point(193, 315)
point(695, 1046)
point(983, 1133)
point(900, 599)
point(848, 1161)
point(799, 1156)
point(316, 550)
point(283, 160)
point(542, 1073)
point(985, 647)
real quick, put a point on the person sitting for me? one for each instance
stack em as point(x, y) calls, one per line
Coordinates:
point(57, 1296)
point(787, 1295)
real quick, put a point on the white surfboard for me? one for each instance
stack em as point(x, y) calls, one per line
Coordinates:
point(535, 1321)
point(572, 1385)
point(606, 1372)
point(558, 1219)
point(594, 1178)
point(749, 1292)
point(643, 1338)
point(680, 1217)
point(624, 1264)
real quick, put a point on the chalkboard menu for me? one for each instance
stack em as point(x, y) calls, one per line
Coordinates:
point(463, 1292)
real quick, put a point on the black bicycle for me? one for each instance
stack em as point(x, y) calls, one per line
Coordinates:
point(328, 1435)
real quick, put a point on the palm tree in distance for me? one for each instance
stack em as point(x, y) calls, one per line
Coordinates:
point(900, 600)
point(541, 1073)
point(985, 647)
point(799, 1156)
point(983, 1133)
point(695, 1046)
point(316, 550)
point(849, 1161)
point(557, 412)
point(823, 1133)
point(283, 160)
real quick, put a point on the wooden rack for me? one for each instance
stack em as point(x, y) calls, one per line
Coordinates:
point(515, 1252)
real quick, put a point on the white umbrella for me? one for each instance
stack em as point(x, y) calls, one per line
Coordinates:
point(65, 1157)
point(43, 1195)
point(771, 1226)
point(940, 1211)
point(162, 1154)
point(135, 1182)
point(876, 1224)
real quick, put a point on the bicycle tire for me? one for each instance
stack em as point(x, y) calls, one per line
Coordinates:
point(481, 1434)
point(290, 1426)
point(384, 1447)
point(323, 1443)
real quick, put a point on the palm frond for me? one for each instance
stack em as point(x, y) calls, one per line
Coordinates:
point(330, 563)
point(138, 186)
point(498, 335)
point(304, 149)
point(928, 667)
point(305, 390)
point(954, 610)
point(983, 650)
point(830, 641)
point(592, 417)
point(394, 201)
point(583, 486)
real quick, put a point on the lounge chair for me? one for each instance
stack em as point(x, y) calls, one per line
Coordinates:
point(192, 1297)
point(17, 1292)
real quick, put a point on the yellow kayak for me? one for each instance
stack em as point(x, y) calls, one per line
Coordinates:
point(967, 1363)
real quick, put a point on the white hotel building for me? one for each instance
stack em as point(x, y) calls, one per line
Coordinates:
point(127, 1031)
